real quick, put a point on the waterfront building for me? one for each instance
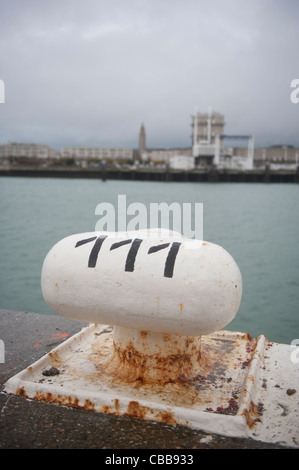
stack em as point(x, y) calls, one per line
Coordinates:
point(181, 162)
point(208, 141)
point(28, 150)
point(163, 156)
point(206, 127)
point(278, 157)
point(206, 130)
point(97, 153)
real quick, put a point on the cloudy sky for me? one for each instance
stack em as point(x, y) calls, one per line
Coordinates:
point(89, 72)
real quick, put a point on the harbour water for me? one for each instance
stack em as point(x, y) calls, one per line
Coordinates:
point(256, 223)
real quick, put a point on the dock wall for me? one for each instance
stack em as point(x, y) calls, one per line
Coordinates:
point(157, 174)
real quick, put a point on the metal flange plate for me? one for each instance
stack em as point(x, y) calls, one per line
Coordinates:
point(223, 400)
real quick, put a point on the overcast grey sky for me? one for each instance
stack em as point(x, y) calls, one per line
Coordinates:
point(89, 72)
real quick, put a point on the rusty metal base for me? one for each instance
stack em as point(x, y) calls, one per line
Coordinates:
point(223, 400)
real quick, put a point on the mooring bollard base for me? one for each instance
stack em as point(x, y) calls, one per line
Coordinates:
point(223, 399)
point(154, 357)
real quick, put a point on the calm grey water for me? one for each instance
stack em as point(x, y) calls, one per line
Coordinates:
point(256, 223)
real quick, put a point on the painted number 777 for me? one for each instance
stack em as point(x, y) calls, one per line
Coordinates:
point(132, 253)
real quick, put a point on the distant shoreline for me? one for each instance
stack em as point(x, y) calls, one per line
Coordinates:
point(264, 175)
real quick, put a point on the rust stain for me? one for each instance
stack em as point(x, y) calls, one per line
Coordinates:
point(21, 392)
point(251, 415)
point(64, 400)
point(166, 417)
point(135, 410)
point(44, 396)
point(88, 405)
point(193, 374)
point(249, 338)
point(55, 358)
point(56, 286)
point(116, 405)
point(181, 307)
point(138, 411)
point(130, 365)
point(250, 378)
point(106, 409)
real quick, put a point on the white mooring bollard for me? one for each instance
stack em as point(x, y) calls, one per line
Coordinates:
point(161, 293)
point(156, 348)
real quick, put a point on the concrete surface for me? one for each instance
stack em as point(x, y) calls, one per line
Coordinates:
point(29, 424)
